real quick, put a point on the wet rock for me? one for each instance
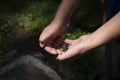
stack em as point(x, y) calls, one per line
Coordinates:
point(28, 68)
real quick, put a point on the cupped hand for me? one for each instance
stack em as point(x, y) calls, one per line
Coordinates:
point(48, 36)
point(75, 47)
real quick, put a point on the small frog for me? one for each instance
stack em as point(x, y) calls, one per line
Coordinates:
point(64, 47)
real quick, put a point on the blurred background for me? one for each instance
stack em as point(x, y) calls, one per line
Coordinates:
point(22, 21)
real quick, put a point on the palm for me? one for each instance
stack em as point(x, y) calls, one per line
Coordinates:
point(75, 47)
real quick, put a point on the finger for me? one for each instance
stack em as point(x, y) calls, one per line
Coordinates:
point(60, 39)
point(68, 41)
point(59, 52)
point(42, 45)
point(49, 48)
point(44, 37)
point(69, 53)
point(62, 56)
point(57, 44)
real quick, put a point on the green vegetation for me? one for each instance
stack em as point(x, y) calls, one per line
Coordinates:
point(4, 37)
point(35, 15)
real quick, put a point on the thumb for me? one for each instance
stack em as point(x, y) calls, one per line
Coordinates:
point(68, 41)
point(42, 40)
point(42, 45)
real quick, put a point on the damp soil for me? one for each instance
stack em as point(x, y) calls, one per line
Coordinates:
point(25, 72)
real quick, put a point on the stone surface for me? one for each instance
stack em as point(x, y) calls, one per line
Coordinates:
point(28, 68)
point(25, 72)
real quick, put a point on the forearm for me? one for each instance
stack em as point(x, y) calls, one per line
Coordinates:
point(65, 11)
point(105, 33)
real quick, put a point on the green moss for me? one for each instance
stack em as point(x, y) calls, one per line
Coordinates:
point(36, 17)
point(4, 37)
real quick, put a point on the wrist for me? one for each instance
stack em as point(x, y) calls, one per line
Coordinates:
point(58, 23)
point(86, 43)
point(91, 42)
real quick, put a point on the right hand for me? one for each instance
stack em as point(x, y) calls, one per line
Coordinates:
point(48, 36)
point(75, 47)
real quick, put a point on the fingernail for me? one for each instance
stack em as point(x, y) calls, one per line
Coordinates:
point(41, 45)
